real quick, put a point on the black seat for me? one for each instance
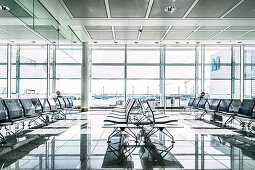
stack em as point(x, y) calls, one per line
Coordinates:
point(67, 103)
point(246, 109)
point(234, 107)
point(28, 107)
point(45, 105)
point(62, 103)
point(3, 118)
point(225, 105)
point(214, 104)
point(2, 112)
point(191, 100)
point(70, 102)
point(202, 103)
point(53, 105)
point(37, 105)
point(14, 110)
point(196, 102)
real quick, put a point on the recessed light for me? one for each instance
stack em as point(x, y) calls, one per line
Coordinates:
point(116, 42)
point(239, 42)
point(170, 8)
point(136, 42)
point(4, 8)
point(12, 41)
point(156, 42)
point(218, 42)
point(95, 42)
point(187, 42)
point(74, 42)
point(198, 42)
point(33, 42)
point(177, 42)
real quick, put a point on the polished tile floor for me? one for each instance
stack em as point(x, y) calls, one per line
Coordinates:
point(81, 143)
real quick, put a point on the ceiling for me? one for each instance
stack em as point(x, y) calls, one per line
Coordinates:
point(145, 21)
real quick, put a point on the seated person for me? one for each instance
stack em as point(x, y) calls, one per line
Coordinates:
point(59, 95)
point(202, 95)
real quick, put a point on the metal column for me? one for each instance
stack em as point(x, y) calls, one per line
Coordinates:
point(125, 75)
point(196, 71)
point(18, 72)
point(84, 77)
point(203, 68)
point(8, 71)
point(242, 73)
point(162, 78)
point(54, 70)
point(232, 73)
point(48, 71)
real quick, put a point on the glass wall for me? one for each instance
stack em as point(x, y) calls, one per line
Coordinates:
point(171, 73)
point(107, 76)
point(179, 75)
point(143, 73)
point(40, 70)
point(3, 71)
point(249, 72)
point(217, 72)
point(68, 71)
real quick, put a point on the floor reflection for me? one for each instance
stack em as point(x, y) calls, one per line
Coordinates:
point(83, 145)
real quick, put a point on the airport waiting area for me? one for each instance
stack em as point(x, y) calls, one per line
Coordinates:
point(127, 84)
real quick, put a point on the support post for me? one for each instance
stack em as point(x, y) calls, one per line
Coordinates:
point(54, 73)
point(125, 75)
point(84, 77)
point(48, 71)
point(9, 71)
point(242, 73)
point(18, 72)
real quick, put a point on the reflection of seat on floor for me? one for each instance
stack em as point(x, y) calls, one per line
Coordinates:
point(246, 145)
point(116, 155)
point(156, 155)
point(23, 149)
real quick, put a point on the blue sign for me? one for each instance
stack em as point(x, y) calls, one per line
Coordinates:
point(215, 63)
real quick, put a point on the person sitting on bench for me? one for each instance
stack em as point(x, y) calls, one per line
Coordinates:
point(202, 95)
point(59, 95)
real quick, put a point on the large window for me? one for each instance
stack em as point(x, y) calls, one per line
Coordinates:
point(3, 71)
point(67, 77)
point(249, 72)
point(107, 73)
point(217, 69)
point(29, 71)
point(180, 75)
point(143, 73)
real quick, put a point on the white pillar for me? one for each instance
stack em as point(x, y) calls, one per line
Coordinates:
point(84, 77)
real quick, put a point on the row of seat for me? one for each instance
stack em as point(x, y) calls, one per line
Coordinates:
point(16, 111)
point(136, 115)
point(231, 108)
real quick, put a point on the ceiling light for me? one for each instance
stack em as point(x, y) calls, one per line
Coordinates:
point(136, 42)
point(187, 42)
point(198, 42)
point(74, 42)
point(95, 42)
point(116, 42)
point(218, 42)
point(170, 8)
point(33, 42)
point(177, 42)
point(4, 8)
point(156, 42)
point(239, 42)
